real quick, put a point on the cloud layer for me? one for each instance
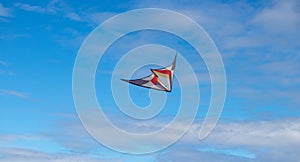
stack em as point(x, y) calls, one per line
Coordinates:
point(234, 141)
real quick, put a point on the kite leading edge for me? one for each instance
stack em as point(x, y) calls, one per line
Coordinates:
point(160, 79)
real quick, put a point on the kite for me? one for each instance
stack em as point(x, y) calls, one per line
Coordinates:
point(160, 79)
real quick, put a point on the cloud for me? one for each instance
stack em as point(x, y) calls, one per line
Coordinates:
point(232, 152)
point(4, 68)
point(96, 18)
point(3, 63)
point(277, 140)
point(70, 37)
point(27, 155)
point(5, 12)
point(241, 25)
point(274, 74)
point(15, 93)
point(61, 8)
point(281, 17)
point(268, 140)
point(28, 7)
point(54, 7)
point(236, 140)
point(273, 134)
point(274, 140)
point(73, 16)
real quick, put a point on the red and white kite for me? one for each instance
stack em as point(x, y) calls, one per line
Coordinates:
point(160, 79)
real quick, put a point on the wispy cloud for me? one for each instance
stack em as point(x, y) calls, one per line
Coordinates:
point(54, 7)
point(232, 152)
point(15, 93)
point(73, 16)
point(239, 24)
point(4, 68)
point(281, 17)
point(243, 140)
point(3, 63)
point(18, 154)
point(234, 141)
point(277, 134)
point(32, 8)
point(95, 18)
point(238, 141)
point(70, 37)
point(5, 13)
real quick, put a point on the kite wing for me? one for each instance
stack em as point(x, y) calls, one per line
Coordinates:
point(160, 79)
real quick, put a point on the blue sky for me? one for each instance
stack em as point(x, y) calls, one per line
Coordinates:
point(259, 44)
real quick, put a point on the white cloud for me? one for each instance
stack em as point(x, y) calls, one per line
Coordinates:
point(5, 12)
point(3, 63)
point(277, 136)
point(3, 68)
point(96, 18)
point(70, 37)
point(281, 17)
point(10, 36)
point(27, 155)
point(238, 141)
point(54, 7)
point(281, 138)
point(283, 133)
point(230, 141)
point(28, 7)
point(274, 136)
point(73, 16)
point(58, 8)
point(242, 25)
point(15, 93)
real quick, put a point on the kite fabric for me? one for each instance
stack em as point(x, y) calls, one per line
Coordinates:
point(160, 79)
